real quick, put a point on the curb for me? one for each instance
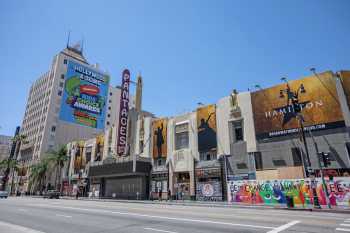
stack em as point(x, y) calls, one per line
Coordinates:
point(210, 204)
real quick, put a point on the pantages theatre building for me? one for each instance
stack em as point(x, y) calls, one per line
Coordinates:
point(247, 135)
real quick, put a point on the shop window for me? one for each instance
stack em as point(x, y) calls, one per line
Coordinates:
point(181, 136)
point(297, 159)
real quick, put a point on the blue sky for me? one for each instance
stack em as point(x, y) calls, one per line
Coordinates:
point(187, 51)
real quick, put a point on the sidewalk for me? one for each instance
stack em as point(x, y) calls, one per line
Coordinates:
point(210, 204)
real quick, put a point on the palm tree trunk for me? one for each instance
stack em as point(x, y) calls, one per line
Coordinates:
point(60, 177)
point(56, 177)
point(12, 180)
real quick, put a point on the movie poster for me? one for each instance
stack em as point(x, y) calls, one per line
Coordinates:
point(206, 125)
point(274, 113)
point(79, 160)
point(345, 78)
point(159, 130)
point(84, 96)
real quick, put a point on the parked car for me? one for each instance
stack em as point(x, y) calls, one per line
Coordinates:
point(4, 194)
point(52, 194)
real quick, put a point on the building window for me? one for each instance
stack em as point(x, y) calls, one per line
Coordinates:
point(141, 146)
point(159, 162)
point(109, 108)
point(207, 156)
point(110, 93)
point(59, 93)
point(108, 115)
point(107, 122)
point(109, 101)
point(61, 84)
point(297, 160)
point(258, 161)
point(181, 136)
point(62, 76)
point(53, 128)
point(279, 162)
point(65, 61)
point(237, 131)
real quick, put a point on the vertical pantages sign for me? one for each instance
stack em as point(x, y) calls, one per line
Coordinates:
point(123, 113)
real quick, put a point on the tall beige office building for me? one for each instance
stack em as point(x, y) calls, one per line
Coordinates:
point(73, 100)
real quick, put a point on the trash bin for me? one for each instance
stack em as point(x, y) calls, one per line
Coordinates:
point(290, 201)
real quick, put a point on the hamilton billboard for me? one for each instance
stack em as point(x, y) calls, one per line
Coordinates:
point(315, 97)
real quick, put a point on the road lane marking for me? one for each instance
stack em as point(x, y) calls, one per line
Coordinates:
point(155, 216)
point(16, 228)
point(62, 215)
point(283, 227)
point(153, 229)
point(342, 229)
point(345, 225)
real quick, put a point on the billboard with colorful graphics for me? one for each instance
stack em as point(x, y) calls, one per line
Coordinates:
point(273, 108)
point(159, 129)
point(275, 192)
point(84, 96)
point(206, 125)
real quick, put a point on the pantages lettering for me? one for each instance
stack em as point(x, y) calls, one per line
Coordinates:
point(123, 113)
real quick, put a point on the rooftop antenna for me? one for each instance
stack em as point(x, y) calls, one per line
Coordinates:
point(82, 46)
point(68, 38)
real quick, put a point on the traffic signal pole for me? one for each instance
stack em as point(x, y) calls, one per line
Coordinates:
point(324, 186)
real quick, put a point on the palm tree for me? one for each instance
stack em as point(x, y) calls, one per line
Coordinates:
point(17, 140)
point(10, 165)
point(38, 173)
point(58, 158)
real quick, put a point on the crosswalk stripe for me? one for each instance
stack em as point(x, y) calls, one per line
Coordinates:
point(342, 229)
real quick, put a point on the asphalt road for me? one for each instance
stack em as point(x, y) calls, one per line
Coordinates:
point(36, 215)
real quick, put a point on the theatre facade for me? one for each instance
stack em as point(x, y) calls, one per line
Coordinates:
point(243, 136)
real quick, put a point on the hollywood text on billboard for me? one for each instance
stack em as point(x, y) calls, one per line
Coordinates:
point(123, 113)
point(84, 96)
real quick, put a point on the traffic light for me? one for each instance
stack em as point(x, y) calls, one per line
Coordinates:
point(326, 159)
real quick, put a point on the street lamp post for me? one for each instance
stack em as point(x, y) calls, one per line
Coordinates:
point(293, 99)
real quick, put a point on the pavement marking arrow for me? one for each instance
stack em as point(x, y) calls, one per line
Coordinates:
point(8, 227)
point(153, 229)
point(283, 227)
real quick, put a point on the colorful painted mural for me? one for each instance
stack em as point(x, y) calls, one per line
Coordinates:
point(275, 192)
